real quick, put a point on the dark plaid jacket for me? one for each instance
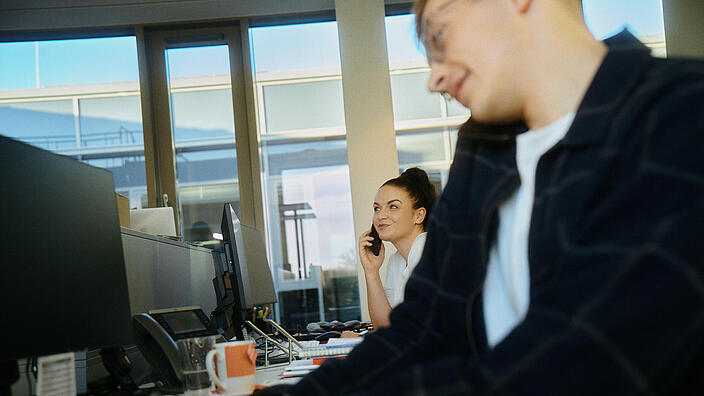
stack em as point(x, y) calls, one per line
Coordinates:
point(615, 250)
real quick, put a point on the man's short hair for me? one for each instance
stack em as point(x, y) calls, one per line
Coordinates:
point(418, 9)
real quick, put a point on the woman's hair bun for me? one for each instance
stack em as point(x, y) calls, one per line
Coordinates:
point(417, 183)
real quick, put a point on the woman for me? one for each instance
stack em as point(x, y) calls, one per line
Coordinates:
point(401, 211)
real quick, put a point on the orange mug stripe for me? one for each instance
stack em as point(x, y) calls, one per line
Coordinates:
point(237, 361)
point(319, 361)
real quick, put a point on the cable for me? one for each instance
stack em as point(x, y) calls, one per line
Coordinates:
point(35, 366)
point(26, 374)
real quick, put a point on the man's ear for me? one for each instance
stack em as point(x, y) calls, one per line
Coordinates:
point(522, 6)
point(420, 215)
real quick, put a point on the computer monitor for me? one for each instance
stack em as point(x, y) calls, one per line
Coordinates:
point(233, 246)
point(63, 277)
point(248, 268)
point(260, 280)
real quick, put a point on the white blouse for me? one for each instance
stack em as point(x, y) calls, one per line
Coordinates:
point(397, 272)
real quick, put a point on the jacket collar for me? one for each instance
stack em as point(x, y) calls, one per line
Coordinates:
point(614, 80)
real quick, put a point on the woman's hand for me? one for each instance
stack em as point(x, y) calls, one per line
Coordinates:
point(370, 262)
point(378, 304)
point(349, 334)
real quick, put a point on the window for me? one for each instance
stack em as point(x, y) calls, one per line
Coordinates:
point(110, 121)
point(643, 18)
point(426, 124)
point(79, 98)
point(203, 129)
point(202, 114)
point(411, 98)
point(47, 124)
point(285, 111)
point(305, 180)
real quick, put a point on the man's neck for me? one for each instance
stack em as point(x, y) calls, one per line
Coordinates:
point(563, 61)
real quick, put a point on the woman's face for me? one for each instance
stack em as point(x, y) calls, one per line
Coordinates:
point(394, 216)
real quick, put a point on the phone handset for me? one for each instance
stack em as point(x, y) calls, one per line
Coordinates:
point(158, 348)
point(376, 243)
point(156, 334)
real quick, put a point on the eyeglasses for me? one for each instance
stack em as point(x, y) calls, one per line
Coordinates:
point(431, 37)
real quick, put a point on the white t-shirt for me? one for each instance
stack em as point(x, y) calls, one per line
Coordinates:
point(507, 284)
point(397, 272)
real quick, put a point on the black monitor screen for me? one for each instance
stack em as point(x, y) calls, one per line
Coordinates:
point(234, 249)
point(63, 276)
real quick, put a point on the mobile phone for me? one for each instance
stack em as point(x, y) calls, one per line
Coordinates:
point(376, 243)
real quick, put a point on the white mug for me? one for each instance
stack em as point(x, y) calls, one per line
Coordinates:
point(231, 366)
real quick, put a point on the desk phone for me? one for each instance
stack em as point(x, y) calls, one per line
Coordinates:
point(156, 334)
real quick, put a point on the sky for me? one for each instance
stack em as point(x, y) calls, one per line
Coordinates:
point(279, 48)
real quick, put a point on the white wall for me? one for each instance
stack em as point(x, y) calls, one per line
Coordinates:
point(369, 116)
point(684, 27)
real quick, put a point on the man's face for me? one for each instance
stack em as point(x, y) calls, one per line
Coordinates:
point(474, 55)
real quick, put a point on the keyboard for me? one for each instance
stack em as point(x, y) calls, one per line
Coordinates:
point(334, 347)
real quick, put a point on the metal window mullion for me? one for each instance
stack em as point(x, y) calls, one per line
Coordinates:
point(252, 132)
point(447, 142)
point(261, 114)
point(246, 166)
point(147, 111)
point(159, 143)
point(76, 121)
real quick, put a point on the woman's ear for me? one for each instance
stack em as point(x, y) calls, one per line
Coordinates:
point(420, 215)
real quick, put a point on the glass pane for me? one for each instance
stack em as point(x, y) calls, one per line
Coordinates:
point(285, 153)
point(411, 98)
point(607, 17)
point(90, 103)
point(319, 231)
point(128, 172)
point(403, 47)
point(20, 65)
point(644, 18)
point(204, 133)
point(307, 200)
point(454, 108)
point(296, 47)
point(53, 63)
point(111, 121)
point(203, 114)
point(212, 61)
point(49, 125)
point(415, 108)
point(307, 185)
point(205, 183)
point(303, 106)
point(416, 148)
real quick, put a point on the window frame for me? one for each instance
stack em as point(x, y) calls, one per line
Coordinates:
point(159, 140)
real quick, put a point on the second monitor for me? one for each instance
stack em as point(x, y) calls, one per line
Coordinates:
point(248, 268)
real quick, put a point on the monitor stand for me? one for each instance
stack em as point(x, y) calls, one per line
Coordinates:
point(9, 374)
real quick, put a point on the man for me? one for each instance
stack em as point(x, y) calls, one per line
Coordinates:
point(563, 256)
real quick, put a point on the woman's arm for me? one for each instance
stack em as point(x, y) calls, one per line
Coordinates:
point(377, 301)
point(379, 307)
